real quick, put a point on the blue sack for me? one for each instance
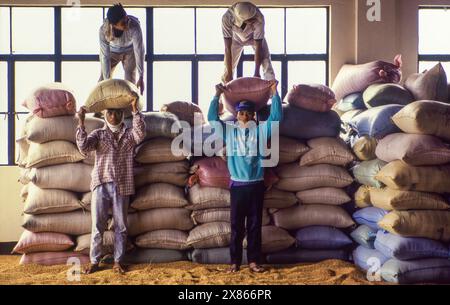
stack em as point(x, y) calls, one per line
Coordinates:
point(295, 256)
point(422, 271)
point(408, 248)
point(149, 256)
point(370, 216)
point(366, 258)
point(376, 122)
point(214, 256)
point(321, 237)
point(352, 101)
point(364, 236)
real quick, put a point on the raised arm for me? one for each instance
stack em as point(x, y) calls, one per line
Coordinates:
point(85, 143)
point(138, 123)
point(213, 112)
point(276, 111)
point(139, 54)
point(105, 55)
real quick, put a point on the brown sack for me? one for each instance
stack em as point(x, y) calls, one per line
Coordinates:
point(185, 111)
point(163, 239)
point(425, 117)
point(175, 173)
point(159, 195)
point(332, 151)
point(159, 150)
point(312, 215)
point(159, 219)
point(274, 198)
point(274, 239)
point(429, 85)
point(362, 197)
point(291, 150)
point(389, 199)
point(52, 153)
point(84, 243)
point(413, 149)
point(72, 223)
point(296, 178)
point(210, 235)
point(220, 215)
point(426, 224)
point(400, 176)
point(364, 148)
point(30, 242)
point(48, 201)
point(201, 198)
point(324, 195)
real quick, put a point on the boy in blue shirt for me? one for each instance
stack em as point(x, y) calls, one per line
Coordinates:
point(244, 139)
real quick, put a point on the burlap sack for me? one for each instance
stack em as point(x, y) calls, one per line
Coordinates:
point(366, 171)
point(429, 85)
point(400, 176)
point(314, 97)
point(72, 223)
point(86, 199)
point(362, 197)
point(47, 201)
point(53, 258)
point(386, 94)
point(159, 195)
point(159, 219)
point(73, 177)
point(62, 128)
point(425, 117)
point(413, 149)
point(52, 153)
point(349, 115)
point(210, 235)
point(175, 173)
point(113, 94)
point(274, 239)
point(295, 178)
point(30, 242)
point(275, 198)
point(291, 150)
point(84, 243)
point(332, 151)
point(201, 198)
point(389, 199)
point(364, 148)
point(24, 146)
point(158, 124)
point(212, 172)
point(185, 111)
point(163, 239)
point(312, 215)
point(159, 150)
point(427, 224)
point(324, 195)
point(220, 215)
point(24, 192)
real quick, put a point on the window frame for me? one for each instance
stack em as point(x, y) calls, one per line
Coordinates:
point(58, 57)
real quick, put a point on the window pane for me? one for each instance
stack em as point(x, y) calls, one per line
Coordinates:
point(81, 77)
point(209, 75)
point(28, 76)
point(140, 14)
point(274, 30)
point(80, 30)
point(249, 69)
point(173, 30)
point(172, 82)
point(426, 65)
point(20, 120)
point(306, 72)
point(209, 30)
point(434, 30)
point(3, 87)
point(4, 140)
point(306, 30)
point(4, 30)
point(33, 30)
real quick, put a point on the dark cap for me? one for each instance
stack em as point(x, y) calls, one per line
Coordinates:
point(115, 13)
point(245, 106)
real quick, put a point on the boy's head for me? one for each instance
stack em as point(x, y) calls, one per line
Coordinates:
point(117, 17)
point(245, 112)
point(114, 116)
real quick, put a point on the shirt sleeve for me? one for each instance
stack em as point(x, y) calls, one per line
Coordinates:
point(105, 55)
point(276, 115)
point(258, 33)
point(227, 25)
point(139, 50)
point(138, 127)
point(86, 143)
point(214, 119)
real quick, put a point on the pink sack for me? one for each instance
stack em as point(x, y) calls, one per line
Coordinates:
point(51, 100)
point(212, 172)
point(318, 98)
point(356, 78)
point(52, 258)
point(251, 89)
point(30, 242)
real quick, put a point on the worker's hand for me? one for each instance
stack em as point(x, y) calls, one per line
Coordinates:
point(273, 87)
point(228, 77)
point(81, 115)
point(220, 88)
point(134, 104)
point(140, 84)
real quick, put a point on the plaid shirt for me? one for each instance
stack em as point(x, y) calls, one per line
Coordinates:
point(113, 159)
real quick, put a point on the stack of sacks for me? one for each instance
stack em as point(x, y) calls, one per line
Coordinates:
point(54, 173)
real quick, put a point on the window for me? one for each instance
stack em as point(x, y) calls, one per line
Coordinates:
point(434, 46)
point(184, 60)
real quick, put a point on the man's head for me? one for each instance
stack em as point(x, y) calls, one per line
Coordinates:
point(244, 12)
point(245, 112)
point(114, 116)
point(117, 17)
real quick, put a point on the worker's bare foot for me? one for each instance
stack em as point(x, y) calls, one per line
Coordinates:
point(255, 268)
point(233, 268)
point(91, 268)
point(119, 268)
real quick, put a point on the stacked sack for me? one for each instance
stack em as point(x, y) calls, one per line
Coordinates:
point(56, 190)
point(406, 215)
